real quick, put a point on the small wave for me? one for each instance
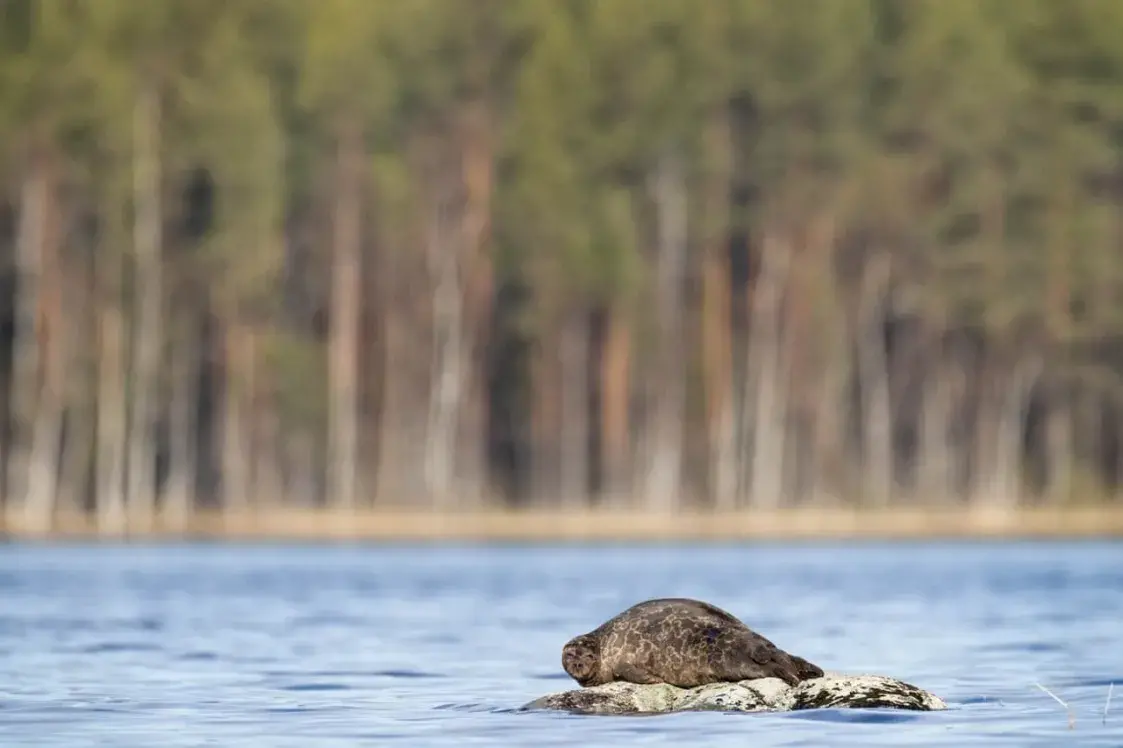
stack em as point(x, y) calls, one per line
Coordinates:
point(326, 620)
point(421, 674)
point(979, 700)
point(1117, 682)
point(304, 687)
point(198, 656)
point(475, 707)
point(118, 647)
point(1032, 647)
point(856, 716)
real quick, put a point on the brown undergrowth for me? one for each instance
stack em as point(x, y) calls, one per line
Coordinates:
point(540, 525)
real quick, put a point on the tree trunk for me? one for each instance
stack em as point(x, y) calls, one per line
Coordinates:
point(767, 374)
point(574, 437)
point(935, 482)
point(80, 324)
point(716, 312)
point(873, 368)
point(615, 391)
point(405, 368)
point(235, 456)
point(27, 347)
point(343, 392)
point(475, 152)
point(719, 393)
point(447, 375)
point(545, 419)
point(142, 491)
point(183, 422)
point(830, 476)
point(664, 468)
point(43, 461)
point(301, 483)
point(982, 477)
point(1008, 450)
point(267, 470)
point(111, 411)
point(1060, 438)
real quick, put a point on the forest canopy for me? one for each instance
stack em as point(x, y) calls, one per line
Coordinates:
point(654, 253)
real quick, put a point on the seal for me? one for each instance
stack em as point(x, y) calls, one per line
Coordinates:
point(681, 642)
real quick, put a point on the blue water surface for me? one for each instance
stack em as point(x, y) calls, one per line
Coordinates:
point(226, 645)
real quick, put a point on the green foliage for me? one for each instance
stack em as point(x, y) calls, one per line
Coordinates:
point(977, 141)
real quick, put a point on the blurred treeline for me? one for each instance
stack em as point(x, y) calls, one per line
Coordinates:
point(442, 253)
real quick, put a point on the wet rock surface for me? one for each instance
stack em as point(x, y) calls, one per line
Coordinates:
point(832, 691)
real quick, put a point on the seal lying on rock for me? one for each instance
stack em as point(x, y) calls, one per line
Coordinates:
point(680, 642)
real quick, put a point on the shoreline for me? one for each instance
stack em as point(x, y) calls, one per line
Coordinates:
point(596, 525)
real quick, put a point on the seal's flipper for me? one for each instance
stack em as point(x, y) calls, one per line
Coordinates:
point(806, 670)
point(631, 673)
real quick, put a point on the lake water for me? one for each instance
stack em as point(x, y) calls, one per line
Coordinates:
point(193, 645)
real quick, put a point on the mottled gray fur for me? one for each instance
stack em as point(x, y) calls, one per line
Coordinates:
point(685, 643)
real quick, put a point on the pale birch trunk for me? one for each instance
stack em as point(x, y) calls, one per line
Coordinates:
point(767, 379)
point(447, 376)
point(43, 459)
point(343, 392)
point(723, 462)
point(574, 436)
point(1011, 427)
point(111, 412)
point(57, 351)
point(664, 469)
point(235, 457)
point(142, 491)
point(27, 353)
point(182, 424)
point(474, 152)
point(873, 370)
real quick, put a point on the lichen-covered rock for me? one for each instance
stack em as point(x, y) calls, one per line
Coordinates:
point(761, 695)
point(863, 692)
point(612, 698)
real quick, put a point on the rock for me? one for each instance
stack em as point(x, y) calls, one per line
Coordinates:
point(864, 692)
point(760, 695)
point(613, 698)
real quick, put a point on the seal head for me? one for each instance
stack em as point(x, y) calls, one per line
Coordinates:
point(581, 660)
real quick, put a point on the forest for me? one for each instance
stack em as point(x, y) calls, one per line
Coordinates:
point(655, 254)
